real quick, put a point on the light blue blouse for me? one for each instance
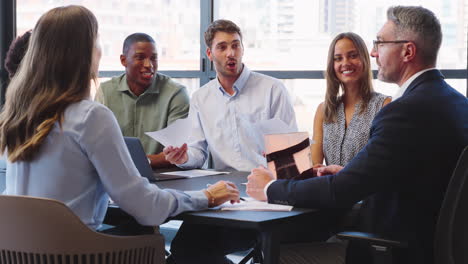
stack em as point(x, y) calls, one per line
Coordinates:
point(223, 125)
point(85, 162)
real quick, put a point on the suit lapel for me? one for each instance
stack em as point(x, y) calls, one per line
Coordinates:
point(429, 75)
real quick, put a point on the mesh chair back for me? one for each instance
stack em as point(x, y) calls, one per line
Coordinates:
point(451, 237)
point(37, 230)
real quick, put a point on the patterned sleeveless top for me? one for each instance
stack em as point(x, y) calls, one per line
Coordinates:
point(341, 144)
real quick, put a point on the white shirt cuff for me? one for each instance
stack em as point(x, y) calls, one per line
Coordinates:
point(266, 188)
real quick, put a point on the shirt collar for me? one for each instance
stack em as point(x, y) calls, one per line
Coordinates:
point(407, 83)
point(152, 89)
point(239, 84)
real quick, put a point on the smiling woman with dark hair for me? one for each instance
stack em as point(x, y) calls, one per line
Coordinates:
point(342, 122)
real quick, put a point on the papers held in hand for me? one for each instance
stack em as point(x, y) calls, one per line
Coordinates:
point(288, 155)
point(175, 134)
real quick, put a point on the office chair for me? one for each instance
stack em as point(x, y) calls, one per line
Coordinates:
point(451, 235)
point(254, 255)
point(37, 230)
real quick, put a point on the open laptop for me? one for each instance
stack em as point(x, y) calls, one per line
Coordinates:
point(141, 162)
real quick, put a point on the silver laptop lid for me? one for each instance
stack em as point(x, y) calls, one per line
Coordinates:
point(139, 157)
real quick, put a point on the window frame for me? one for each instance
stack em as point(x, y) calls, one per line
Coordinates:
point(206, 71)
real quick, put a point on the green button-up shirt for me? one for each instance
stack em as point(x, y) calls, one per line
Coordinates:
point(161, 104)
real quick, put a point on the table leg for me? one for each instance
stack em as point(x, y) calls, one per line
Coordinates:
point(270, 246)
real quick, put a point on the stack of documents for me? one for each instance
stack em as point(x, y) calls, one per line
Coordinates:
point(253, 205)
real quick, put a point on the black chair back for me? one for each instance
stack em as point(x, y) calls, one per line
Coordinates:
point(451, 237)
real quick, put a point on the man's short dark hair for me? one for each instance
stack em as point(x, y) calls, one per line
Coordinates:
point(16, 53)
point(220, 25)
point(136, 37)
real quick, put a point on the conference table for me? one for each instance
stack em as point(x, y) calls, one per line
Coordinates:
point(270, 226)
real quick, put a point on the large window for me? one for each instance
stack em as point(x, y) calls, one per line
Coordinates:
point(295, 34)
point(175, 25)
point(287, 39)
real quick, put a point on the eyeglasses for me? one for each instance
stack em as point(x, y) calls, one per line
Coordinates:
point(378, 42)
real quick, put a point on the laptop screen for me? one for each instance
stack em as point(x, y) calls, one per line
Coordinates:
point(139, 157)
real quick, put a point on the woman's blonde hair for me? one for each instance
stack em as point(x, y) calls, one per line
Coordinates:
point(334, 84)
point(55, 72)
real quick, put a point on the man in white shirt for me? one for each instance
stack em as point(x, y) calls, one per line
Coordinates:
point(225, 110)
point(223, 114)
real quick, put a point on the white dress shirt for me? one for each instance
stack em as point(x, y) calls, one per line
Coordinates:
point(86, 161)
point(405, 85)
point(223, 124)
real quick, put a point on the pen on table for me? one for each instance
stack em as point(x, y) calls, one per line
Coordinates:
point(240, 198)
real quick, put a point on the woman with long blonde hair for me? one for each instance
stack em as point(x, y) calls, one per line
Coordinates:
point(342, 122)
point(61, 145)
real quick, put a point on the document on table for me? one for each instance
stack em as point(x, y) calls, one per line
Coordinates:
point(176, 134)
point(195, 173)
point(251, 204)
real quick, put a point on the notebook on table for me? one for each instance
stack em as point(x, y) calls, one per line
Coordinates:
point(141, 162)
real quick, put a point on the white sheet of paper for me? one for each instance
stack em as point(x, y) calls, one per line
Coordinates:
point(195, 173)
point(274, 126)
point(251, 204)
point(176, 134)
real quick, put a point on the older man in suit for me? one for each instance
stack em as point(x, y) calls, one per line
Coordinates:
point(403, 171)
